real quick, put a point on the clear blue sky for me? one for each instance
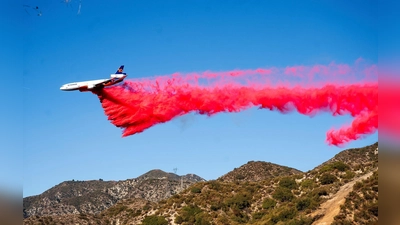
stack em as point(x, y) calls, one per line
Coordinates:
point(65, 135)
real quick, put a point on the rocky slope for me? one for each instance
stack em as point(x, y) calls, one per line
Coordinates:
point(93, 197)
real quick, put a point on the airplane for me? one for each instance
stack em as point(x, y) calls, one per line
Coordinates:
point(93, 85)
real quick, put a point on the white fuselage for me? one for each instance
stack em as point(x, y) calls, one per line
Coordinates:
point(76, 85)
point(88, 85)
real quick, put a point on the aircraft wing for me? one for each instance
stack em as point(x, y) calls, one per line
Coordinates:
point(107, 82)
point(100, 84)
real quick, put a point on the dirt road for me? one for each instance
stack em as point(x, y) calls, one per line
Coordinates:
point(331, 207)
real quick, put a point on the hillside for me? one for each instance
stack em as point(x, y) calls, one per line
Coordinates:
point(343, 190)
point(361, 204)
point(359, 159)
point(328, 212)
point(258, 171)
point(71, 197)
point(93, 197)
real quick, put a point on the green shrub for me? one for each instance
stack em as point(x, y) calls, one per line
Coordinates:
point(240, 216)
point(284, 215)
point(259, 215)
point(342, 222)
point(327, 178)
point(215, 185)
point(308, 183)
point(117, 209)
point(303, 204)
point(317, 193)
point(178, 219)
point(349, 175)
point(239, 177)
point(195, 190)
point(301, 221)
point(339, 165)
point(190, 211)
point(154, 220)
point(373, 209)
point(216, 206)
point(192, 215)
point(358, 185)
point(283, 194)
point(326, 168)
point(268, 203)
point(146, 207)
point(223, 220)
point(288, 182)
point(202, 219)
point(240, 201)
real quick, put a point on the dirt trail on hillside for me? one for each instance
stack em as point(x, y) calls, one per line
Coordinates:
point(331, 207)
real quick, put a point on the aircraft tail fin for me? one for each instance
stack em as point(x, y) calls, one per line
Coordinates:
point(120, 70)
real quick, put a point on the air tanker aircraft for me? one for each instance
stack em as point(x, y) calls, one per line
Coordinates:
point(92, 85)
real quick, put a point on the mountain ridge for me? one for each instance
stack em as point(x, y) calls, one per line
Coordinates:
point(94, 196)
point(255, 193)
point(257, 171)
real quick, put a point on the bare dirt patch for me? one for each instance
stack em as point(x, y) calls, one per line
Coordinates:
point(331, 208)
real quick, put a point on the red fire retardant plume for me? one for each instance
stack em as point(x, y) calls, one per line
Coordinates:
point(138, 105)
